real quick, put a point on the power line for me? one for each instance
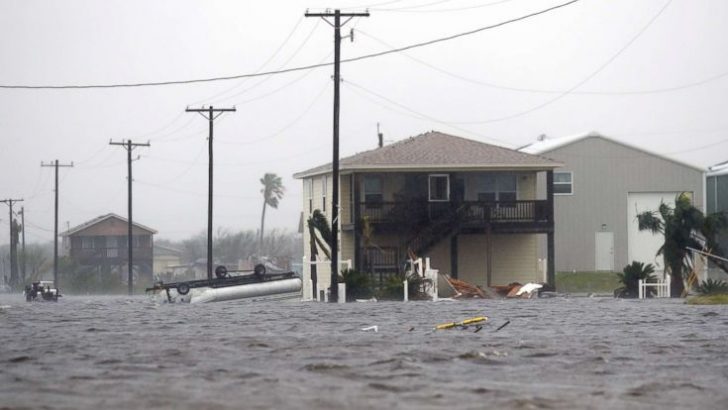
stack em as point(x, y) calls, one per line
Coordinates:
point(129, 146)
point(56, 165)
point(293, 69)
point(558, 97)
point(414, 9)
point(210, 114)
point(417, 114)
point(550, 91)
point(265, 63)
point(285, 127)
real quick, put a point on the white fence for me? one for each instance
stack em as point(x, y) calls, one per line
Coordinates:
point(324, 281)
point(661, 286)
point(422, 268)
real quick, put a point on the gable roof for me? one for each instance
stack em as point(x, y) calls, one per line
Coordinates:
point(437, 151)
point(550, 144)
point(103, 218)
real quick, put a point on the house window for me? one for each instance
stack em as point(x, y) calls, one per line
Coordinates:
point(111, 242)
point(563, 183)
point(439, 188)
point(491, 188)
point(324, 187)
point(87, 242)
point(308, 187)
point(351, 197)
point(373, 196)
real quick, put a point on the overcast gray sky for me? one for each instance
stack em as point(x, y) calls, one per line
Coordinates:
point(650, 72)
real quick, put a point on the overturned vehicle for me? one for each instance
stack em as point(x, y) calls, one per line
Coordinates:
point(265, 281)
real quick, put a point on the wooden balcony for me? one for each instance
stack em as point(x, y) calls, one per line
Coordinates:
point(501, 216)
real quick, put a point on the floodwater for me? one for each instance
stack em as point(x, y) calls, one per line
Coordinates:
point(130, 352)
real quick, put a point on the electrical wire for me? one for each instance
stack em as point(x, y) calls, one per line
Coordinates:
point(420, 115)
point(285, 127)
point(293, 69)
point(370, 6)
point(548, 91)
point(414, 10)
point(578, 84)
point(188, 169)
point(265, 63)
point(417, 6)
point(284, 86)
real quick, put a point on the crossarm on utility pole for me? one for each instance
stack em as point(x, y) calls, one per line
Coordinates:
point(210, 114)
point(129, 146)
point(336, 14)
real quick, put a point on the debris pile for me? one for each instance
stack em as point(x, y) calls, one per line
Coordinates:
point(465, 290)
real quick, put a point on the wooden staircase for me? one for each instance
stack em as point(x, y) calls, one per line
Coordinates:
point(438, 229)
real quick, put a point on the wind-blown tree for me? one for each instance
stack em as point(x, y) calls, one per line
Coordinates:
point(272, 191)
point(679, 225)
point(320, 237)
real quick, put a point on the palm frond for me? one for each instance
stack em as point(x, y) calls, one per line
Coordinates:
point(648, 221)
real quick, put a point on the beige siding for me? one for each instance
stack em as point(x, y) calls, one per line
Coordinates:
point(347, 247)
point(604, 173)
point(440, 256)
point(527, 186)
point(345, 214)
point(514, 259)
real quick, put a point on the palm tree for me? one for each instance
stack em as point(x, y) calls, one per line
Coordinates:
point(680, 226)
point(272, 191)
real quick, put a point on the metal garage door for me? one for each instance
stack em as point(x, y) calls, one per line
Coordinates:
point(643, 246)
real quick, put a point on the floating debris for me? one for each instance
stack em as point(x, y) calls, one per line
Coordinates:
point(375, 328)
point(463, 324)
point(503, 325)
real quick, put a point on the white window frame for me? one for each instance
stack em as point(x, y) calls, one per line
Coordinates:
point(570, 183)
point(496, 188)
point(309, 189)
point(447, 187)
point(365, 193)
point(324, 187)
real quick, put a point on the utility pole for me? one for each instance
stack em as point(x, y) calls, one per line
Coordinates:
point(13, 244)
point(210, 115)
point(22, 249)
point(56, 165)
point(337, 24)
point(129, 146)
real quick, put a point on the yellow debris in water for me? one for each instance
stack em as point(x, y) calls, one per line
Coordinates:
point(465, 322)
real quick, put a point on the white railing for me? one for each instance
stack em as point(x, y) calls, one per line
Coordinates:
point(422, 268)
point(661, 286)
point(324, 281)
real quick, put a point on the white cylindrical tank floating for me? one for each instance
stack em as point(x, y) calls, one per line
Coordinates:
point(285, 287)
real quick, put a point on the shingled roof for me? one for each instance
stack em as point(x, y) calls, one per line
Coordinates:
point(102, 218)
point(436, 151)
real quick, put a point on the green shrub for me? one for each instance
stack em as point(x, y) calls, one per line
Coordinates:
point(630, 277)
point(357, 283)
point(393, 289)
point(712, 287)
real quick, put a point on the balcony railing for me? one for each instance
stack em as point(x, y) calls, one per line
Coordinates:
point(88, 254)
point(472, 212)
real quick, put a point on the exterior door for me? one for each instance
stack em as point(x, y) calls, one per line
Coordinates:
point(604, 251)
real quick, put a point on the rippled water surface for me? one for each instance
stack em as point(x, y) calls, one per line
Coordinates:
point(129, 352)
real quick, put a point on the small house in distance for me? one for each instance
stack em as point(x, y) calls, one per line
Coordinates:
point(165, 259)
point(102, 244)
point(471, 207)
point(598, 193)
